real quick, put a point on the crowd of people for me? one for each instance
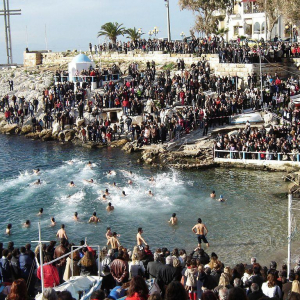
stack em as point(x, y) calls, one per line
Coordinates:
point(142, 274)
point(235, 51)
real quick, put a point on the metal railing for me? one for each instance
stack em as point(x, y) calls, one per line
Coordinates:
point(259, 156)
point(86, 78)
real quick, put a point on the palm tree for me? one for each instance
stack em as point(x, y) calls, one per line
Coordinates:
point(112, 30)
point(133, 33)
point(221, 31)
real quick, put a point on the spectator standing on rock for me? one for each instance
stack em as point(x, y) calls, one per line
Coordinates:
point(35, 104)
point(80, 109)
point(11, 85)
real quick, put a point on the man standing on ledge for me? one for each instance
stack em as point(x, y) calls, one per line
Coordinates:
point(201, 231)
point(139, 239)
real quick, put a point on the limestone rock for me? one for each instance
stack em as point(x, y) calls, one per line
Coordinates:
point(33, 135)
point(9, 129)
point(128, 148)
point(118, 143)
point(47, 137)
point(45, 132)
point(61, 137)
point(56, 128)
point(26, 129)
point(69, 135)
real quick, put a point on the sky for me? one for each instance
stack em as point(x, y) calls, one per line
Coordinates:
point(72, 24)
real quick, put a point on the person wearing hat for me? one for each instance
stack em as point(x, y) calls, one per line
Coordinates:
point(221, 199)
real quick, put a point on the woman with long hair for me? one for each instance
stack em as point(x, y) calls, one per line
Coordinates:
point(18, 290)
point(138, 289)
point(270, 288)
point(87, 264)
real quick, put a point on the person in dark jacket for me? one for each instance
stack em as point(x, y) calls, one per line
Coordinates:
point(15, 265)
point(153, 267)
point(256, 292)
point(166, 274)
point(25, 262)
point(5, 270)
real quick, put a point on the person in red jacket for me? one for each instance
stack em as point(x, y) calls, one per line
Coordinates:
point(51, 277)
point(138, 289)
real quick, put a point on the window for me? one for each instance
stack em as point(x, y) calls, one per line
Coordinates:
point(236, 30)
point(256, 28)
point(263, 27)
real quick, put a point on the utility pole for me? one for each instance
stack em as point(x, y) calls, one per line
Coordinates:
point(6, 12)
point(168, 19)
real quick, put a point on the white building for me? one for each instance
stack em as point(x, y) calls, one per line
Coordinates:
point(246, 19)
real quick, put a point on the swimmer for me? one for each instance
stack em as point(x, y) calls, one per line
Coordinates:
point(72, 184)
point(110, 207)
point(89, 164)
point(8, 228)
point(106, 192)
point(61, 233)
point(38, 182)
point(94, 218)
point(213, 194)
point(111, 172)
point(104, 197)
point(89, 181)
point(53, 223)
point(221, 199)
point(75, 218)
point(151, 179)
point(108, 234)
point(27, 224)
point(70, 162)
point(40, 212)
point(123, 194)
point(130, 181)
point(150, 194)
point(173, 219)
point(36, 171)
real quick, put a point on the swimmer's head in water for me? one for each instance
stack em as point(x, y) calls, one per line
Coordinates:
point(62, 225)
point(39, 180)
point(213, 192)
point(108, 228)
point(90, 163)
point(38, 169)
point(104, 197)
point(27, 222)
point(9, 226)
point(41, 210)
point(109, 204)
point(123, 192)
point(76, 214)
point(53, 219)
point(199, 220)
point(106, 190)
point(114, 234)
point(173, 215)
point(72, 182)
point(94, 214)
point(92, 180)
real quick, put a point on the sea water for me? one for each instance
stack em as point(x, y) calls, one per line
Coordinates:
point(252, 221)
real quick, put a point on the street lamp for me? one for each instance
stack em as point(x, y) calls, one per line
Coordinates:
point(182, 34)
point(155, 31)
point(150, 33)
point(140, 32)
